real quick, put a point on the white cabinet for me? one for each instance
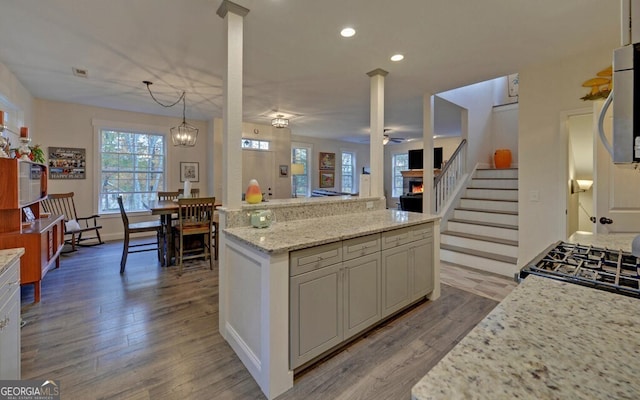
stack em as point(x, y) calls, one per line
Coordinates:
point(340, 289)
point(332, 300)
point(407, 267)
point(10, 321)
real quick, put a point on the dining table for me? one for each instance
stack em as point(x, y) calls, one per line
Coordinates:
point(166, 209)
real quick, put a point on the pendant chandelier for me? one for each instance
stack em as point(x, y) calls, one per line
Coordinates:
point(280, 121)
point(183, 135)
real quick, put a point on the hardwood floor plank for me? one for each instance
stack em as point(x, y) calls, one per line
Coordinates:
point(149, 334)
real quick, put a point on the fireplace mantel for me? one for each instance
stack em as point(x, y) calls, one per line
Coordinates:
point(412, 173)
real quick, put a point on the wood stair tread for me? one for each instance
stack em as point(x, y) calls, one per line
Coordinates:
point(486, 211)
point(485, 199)
point(482, 254)
point(481, 238)
point(491, 224)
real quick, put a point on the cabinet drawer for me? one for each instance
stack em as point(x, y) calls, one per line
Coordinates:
point(361, 246)
point(419, 232)
point(9, 282)
point(396, 237)
point(306, 260)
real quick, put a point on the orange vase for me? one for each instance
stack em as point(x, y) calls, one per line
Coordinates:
point(502, 158)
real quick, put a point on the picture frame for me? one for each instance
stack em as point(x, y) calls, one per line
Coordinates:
point(327, 161)
point(28, 214)
point(189, 171)
point(67, 163)
point(327, 179)
point(284, 171)
point(513, 82)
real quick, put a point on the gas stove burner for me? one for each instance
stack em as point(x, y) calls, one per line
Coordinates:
point(601, 268)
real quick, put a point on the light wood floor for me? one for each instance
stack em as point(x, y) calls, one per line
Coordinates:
point(149, 334)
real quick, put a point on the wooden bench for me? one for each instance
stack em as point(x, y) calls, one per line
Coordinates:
point(75, 227)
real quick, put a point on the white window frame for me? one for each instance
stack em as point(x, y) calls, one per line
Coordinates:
point(309, 167)
point(98, 127)
point(354, 165)
point(260, 145)
point(395, 172)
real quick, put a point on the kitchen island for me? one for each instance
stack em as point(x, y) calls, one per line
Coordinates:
point(547, 340)
point(346, 239)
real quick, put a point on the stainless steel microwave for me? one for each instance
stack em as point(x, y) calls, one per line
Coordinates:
point(626, 104)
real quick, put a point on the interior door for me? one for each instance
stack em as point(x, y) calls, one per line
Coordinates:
point(259, 165)
point(617, 187)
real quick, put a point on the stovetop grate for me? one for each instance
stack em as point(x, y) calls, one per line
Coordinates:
point(601, 268)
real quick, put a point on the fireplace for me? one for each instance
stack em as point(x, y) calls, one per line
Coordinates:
point(415, 186)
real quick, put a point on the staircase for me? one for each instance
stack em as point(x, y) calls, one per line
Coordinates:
point(483, 232)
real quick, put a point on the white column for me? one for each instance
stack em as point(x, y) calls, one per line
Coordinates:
point(428, 203)
point(376, 148)
point(232, 185)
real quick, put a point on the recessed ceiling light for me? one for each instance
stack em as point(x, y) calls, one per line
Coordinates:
point(347, 32)
point(397, 57)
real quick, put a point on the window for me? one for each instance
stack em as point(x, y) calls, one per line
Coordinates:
point(301, 183)
point(132, 164)
point(255, 144)
point(348, 172)
point(400, 163)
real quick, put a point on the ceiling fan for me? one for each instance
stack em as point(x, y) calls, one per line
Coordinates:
point(388, 139)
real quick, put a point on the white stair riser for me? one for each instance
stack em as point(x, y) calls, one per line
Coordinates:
point(501, 194)
point(490, 231)
point(491, 205)
point(480, 245)
point(496, 173)
point(505, 219)
point(485, 264)
point(494, 183)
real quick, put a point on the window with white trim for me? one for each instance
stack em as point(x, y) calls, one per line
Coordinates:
point(132, 164)
point(301, 183)
point(254, 144)
point(400, 163)
point(348, 172)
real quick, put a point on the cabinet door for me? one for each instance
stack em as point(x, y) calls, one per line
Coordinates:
point(362, 307)
point(316, 313)
point(10, 336)
point(421, 254)
point(395, 279)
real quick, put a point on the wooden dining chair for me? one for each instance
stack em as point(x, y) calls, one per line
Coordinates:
point(139, 227)
point(165, 196)
point(195, 222)
point(195, 192)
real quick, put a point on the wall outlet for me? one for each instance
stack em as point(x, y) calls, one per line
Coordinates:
point(369, 205)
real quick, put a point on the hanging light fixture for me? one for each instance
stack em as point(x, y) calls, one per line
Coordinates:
point(183, 135)
point(280, 121)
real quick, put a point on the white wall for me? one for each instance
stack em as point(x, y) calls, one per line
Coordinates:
point(319, 145)
point(16, 100)
point(504, 134)
point(61, 124)
point(478, 99)
point(546, 90)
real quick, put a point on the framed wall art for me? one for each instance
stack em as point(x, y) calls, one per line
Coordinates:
point(67, 163)
point(189, 171)
point(284, 171)
point(327, 161)
point(327, 179)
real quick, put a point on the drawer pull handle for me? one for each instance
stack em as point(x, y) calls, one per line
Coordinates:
point(13, 283)
point(4, 323)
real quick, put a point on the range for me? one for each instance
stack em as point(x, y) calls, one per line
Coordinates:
point(601, 268)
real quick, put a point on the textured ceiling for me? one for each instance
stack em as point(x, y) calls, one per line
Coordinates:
point(295, 61)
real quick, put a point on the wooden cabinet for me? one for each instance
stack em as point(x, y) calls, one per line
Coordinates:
point(25, 185)
point(361, 294)
point(10, 321)
point(407, 267)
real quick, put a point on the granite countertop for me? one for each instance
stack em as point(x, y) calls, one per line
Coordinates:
point(546, 340)
point(614, 241)
point(8, 256)
point(299, 234)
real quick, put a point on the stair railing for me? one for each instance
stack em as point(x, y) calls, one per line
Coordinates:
point(445, 183)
